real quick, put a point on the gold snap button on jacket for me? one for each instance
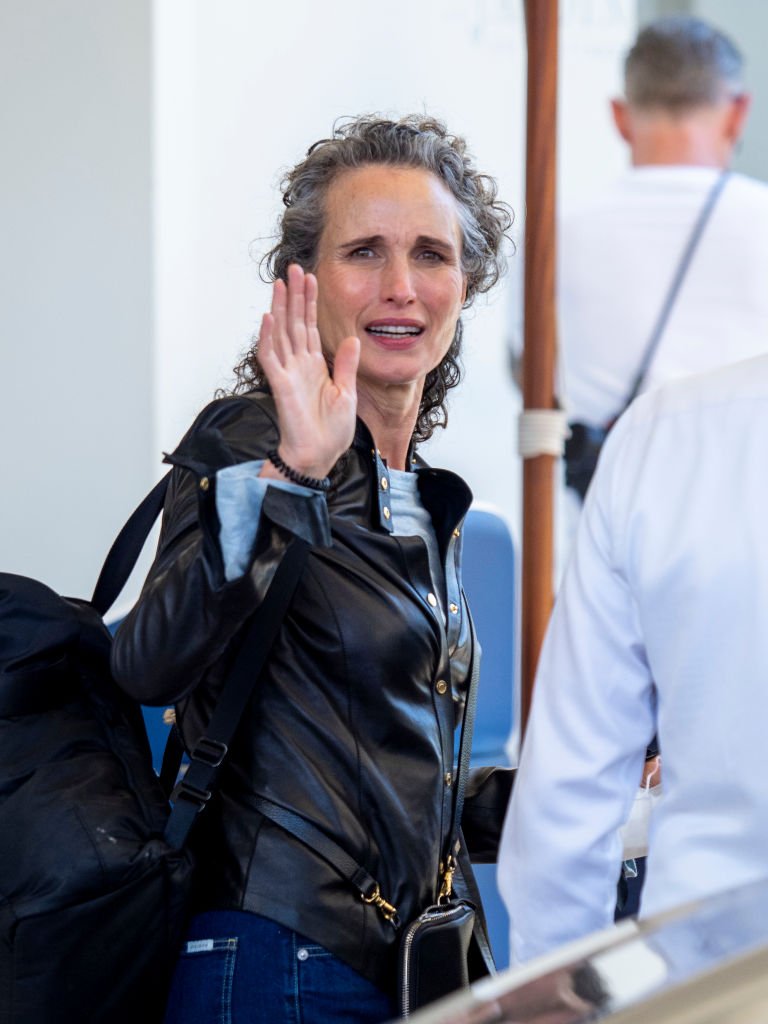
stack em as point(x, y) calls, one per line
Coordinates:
point(448, 780)
point(384, 483)
point(454, 608)
point(205, 483)
point(432, 600)
point(441, 686)
point(387, 513)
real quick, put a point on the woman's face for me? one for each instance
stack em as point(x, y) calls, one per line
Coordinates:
point(389, 271)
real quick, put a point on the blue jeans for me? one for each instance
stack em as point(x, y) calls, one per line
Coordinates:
point(240, 968)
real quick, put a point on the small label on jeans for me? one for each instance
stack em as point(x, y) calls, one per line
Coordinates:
point(200, 946)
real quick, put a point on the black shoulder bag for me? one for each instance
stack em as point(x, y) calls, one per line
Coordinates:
point(434, 949)
point(583, 447)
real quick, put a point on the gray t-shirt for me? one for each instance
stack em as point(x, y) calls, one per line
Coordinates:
point(411, 519)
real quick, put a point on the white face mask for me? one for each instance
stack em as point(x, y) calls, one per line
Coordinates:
point(634, 833)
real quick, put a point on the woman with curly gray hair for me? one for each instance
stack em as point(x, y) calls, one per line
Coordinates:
point(388, 233)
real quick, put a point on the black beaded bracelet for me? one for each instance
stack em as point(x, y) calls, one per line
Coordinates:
point(317, 483)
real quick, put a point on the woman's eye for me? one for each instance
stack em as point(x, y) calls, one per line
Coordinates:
point(430, 256)
point(362, 252)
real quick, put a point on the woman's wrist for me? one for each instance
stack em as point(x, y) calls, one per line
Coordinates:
point(298, 473)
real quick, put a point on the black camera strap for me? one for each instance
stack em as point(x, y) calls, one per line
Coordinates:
point(681, 271)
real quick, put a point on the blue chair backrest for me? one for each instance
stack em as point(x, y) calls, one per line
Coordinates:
point(489, 568)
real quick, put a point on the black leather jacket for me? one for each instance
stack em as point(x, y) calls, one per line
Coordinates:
point(353, 719)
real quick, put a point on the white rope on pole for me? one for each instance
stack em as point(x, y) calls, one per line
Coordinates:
point(542, 432)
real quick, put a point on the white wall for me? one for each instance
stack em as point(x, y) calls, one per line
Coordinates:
point(75, 276)
point(143, 145)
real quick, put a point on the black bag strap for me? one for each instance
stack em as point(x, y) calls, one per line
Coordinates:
point(195, 788)
point(125, 550)
point(465, 744)
point(173, 754)
point(674, 288)
point(313, 837)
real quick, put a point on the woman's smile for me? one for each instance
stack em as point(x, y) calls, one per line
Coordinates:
point(395, 333)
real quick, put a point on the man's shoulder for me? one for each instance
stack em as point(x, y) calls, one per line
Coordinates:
point(705, 394)
point(749, 190)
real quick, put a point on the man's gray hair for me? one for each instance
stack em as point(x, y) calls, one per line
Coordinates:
point(681, 62)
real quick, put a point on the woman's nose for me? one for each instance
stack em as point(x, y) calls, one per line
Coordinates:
point(398, 284)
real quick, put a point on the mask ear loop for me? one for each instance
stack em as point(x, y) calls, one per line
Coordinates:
point(629, 867)
point(649, 777)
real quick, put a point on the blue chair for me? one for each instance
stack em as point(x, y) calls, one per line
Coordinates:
point(489, 569)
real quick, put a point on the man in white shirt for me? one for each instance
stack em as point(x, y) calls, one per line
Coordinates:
point(683, 114)
point(661, 624)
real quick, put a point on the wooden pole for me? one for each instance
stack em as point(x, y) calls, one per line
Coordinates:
point(539, 333)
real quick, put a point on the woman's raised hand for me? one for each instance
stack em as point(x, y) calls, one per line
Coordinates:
point(316, 411)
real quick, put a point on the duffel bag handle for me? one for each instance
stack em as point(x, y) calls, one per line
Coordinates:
point(125, 551)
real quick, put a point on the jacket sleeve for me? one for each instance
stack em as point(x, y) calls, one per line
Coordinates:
point(187, 612)
point(485, 804)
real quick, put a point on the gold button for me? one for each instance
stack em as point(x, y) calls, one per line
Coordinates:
point(205, 483)
point(457, 532)
point(454, 608)
point(432, 600)
point(384, 483)
point(169, 716)
point(448, 778)
point(441, 686)
point(387, 513)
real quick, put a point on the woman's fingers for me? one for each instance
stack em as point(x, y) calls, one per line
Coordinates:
point(280, 341)
point(294, 311)
point(266, 338)
point(268, 356)
point(310, 298)
point(345, 365)
point(296, 319)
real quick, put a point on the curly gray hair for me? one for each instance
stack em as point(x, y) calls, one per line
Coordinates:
point(413, 141)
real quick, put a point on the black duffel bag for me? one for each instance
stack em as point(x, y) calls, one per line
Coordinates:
point(92, 897)
point(95, 873)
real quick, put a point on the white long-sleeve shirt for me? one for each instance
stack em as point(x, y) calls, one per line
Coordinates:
point(617, 257)
point(661, 625)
